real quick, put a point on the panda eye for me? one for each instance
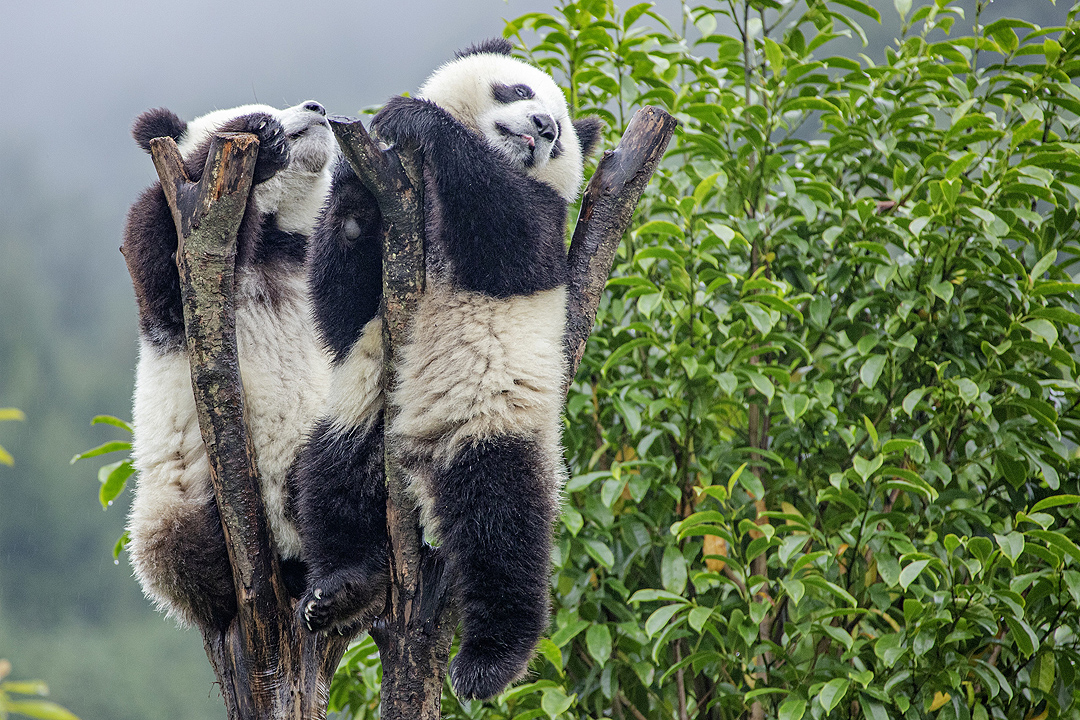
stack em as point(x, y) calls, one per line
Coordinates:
point(507, 94)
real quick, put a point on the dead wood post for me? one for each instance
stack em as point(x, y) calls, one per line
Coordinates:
point(415, 633)
point(267, 668)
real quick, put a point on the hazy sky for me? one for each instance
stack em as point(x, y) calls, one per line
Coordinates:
point(73, 74)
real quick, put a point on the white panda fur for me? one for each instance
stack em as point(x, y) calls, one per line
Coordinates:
point(176, 545)
point(479, 380)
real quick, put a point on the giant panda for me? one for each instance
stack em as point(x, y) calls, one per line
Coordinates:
point(479, 380)
point(176, 543)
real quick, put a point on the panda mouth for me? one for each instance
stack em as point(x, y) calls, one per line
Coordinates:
point(306, 129)
point(528, 140)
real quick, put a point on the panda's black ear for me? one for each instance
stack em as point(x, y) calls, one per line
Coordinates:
point(588, 130)
point(495, 46)
point(158, 122)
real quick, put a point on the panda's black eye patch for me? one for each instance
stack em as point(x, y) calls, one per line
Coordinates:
point(506, 94)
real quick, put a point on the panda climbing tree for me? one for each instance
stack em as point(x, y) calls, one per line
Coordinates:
point(262, 641)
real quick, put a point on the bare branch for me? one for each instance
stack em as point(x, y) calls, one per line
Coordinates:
point(606, 210)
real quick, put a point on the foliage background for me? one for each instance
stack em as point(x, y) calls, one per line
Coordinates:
point(823, 441)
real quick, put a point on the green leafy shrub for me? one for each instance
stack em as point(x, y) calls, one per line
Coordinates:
point(823, 440)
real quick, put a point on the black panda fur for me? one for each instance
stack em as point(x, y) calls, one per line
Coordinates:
point(479, 395)
point(176, 544)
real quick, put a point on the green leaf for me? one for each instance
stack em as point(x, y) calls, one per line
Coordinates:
point(25, 687)
point(871, 370)
point(873, 710)
point(1044, 264)
point(1011, 545)
point(555, 702)
point(113, 478)
point(1055, 501)
point(660, 618)
point(598, 641)
point(600, 552)
point(902, 8)
point(659, 227)
point(889, 649)
point(1043, 672)
point(551, 653)
point(697, 617)
point(1043, 329)
point(114, 446)
point(11, 414)
point(760, 317)
point(565, 634)
point(673, 569)
point(912, 571)
point(969, 391)
point(761, 383)
point(943, 289)
point(1059, 541)
point(110, 420)
point(912, 399)
point(860, 7)
point(832, 693)
point(41, 709)
point(1027, 642)
point(792, 709)
point(121, 543)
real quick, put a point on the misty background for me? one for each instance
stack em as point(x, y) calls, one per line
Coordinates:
point(73, 76)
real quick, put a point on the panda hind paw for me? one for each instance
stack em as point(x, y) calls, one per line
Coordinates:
point(479, 672)
point(335, 603)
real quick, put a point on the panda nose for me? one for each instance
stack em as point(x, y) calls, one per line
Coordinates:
point(315, 107)
point(545, 126)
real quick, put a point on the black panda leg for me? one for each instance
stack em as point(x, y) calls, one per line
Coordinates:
point(494, 509)
point(341, 513)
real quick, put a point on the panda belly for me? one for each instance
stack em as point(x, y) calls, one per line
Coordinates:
point(286, 377)
point(284, 372)
point(477, 368)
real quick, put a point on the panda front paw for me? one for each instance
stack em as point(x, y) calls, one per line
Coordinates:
point(273, 143)
point(405, 119)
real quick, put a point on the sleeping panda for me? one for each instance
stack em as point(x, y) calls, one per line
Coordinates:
point(478, 396)
point(176, 542)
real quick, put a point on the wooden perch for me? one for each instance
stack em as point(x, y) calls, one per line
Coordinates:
point(606, 210)
point(414, 635)
point(266, 667)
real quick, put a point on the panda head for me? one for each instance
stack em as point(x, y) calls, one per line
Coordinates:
point(296, 193)
point(520, 111)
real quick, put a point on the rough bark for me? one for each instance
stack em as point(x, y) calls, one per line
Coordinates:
point(606, 209)
point(267, 668)
point(415, 634)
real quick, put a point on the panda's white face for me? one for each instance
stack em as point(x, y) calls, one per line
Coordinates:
point(518, 108)
point(296, 193)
